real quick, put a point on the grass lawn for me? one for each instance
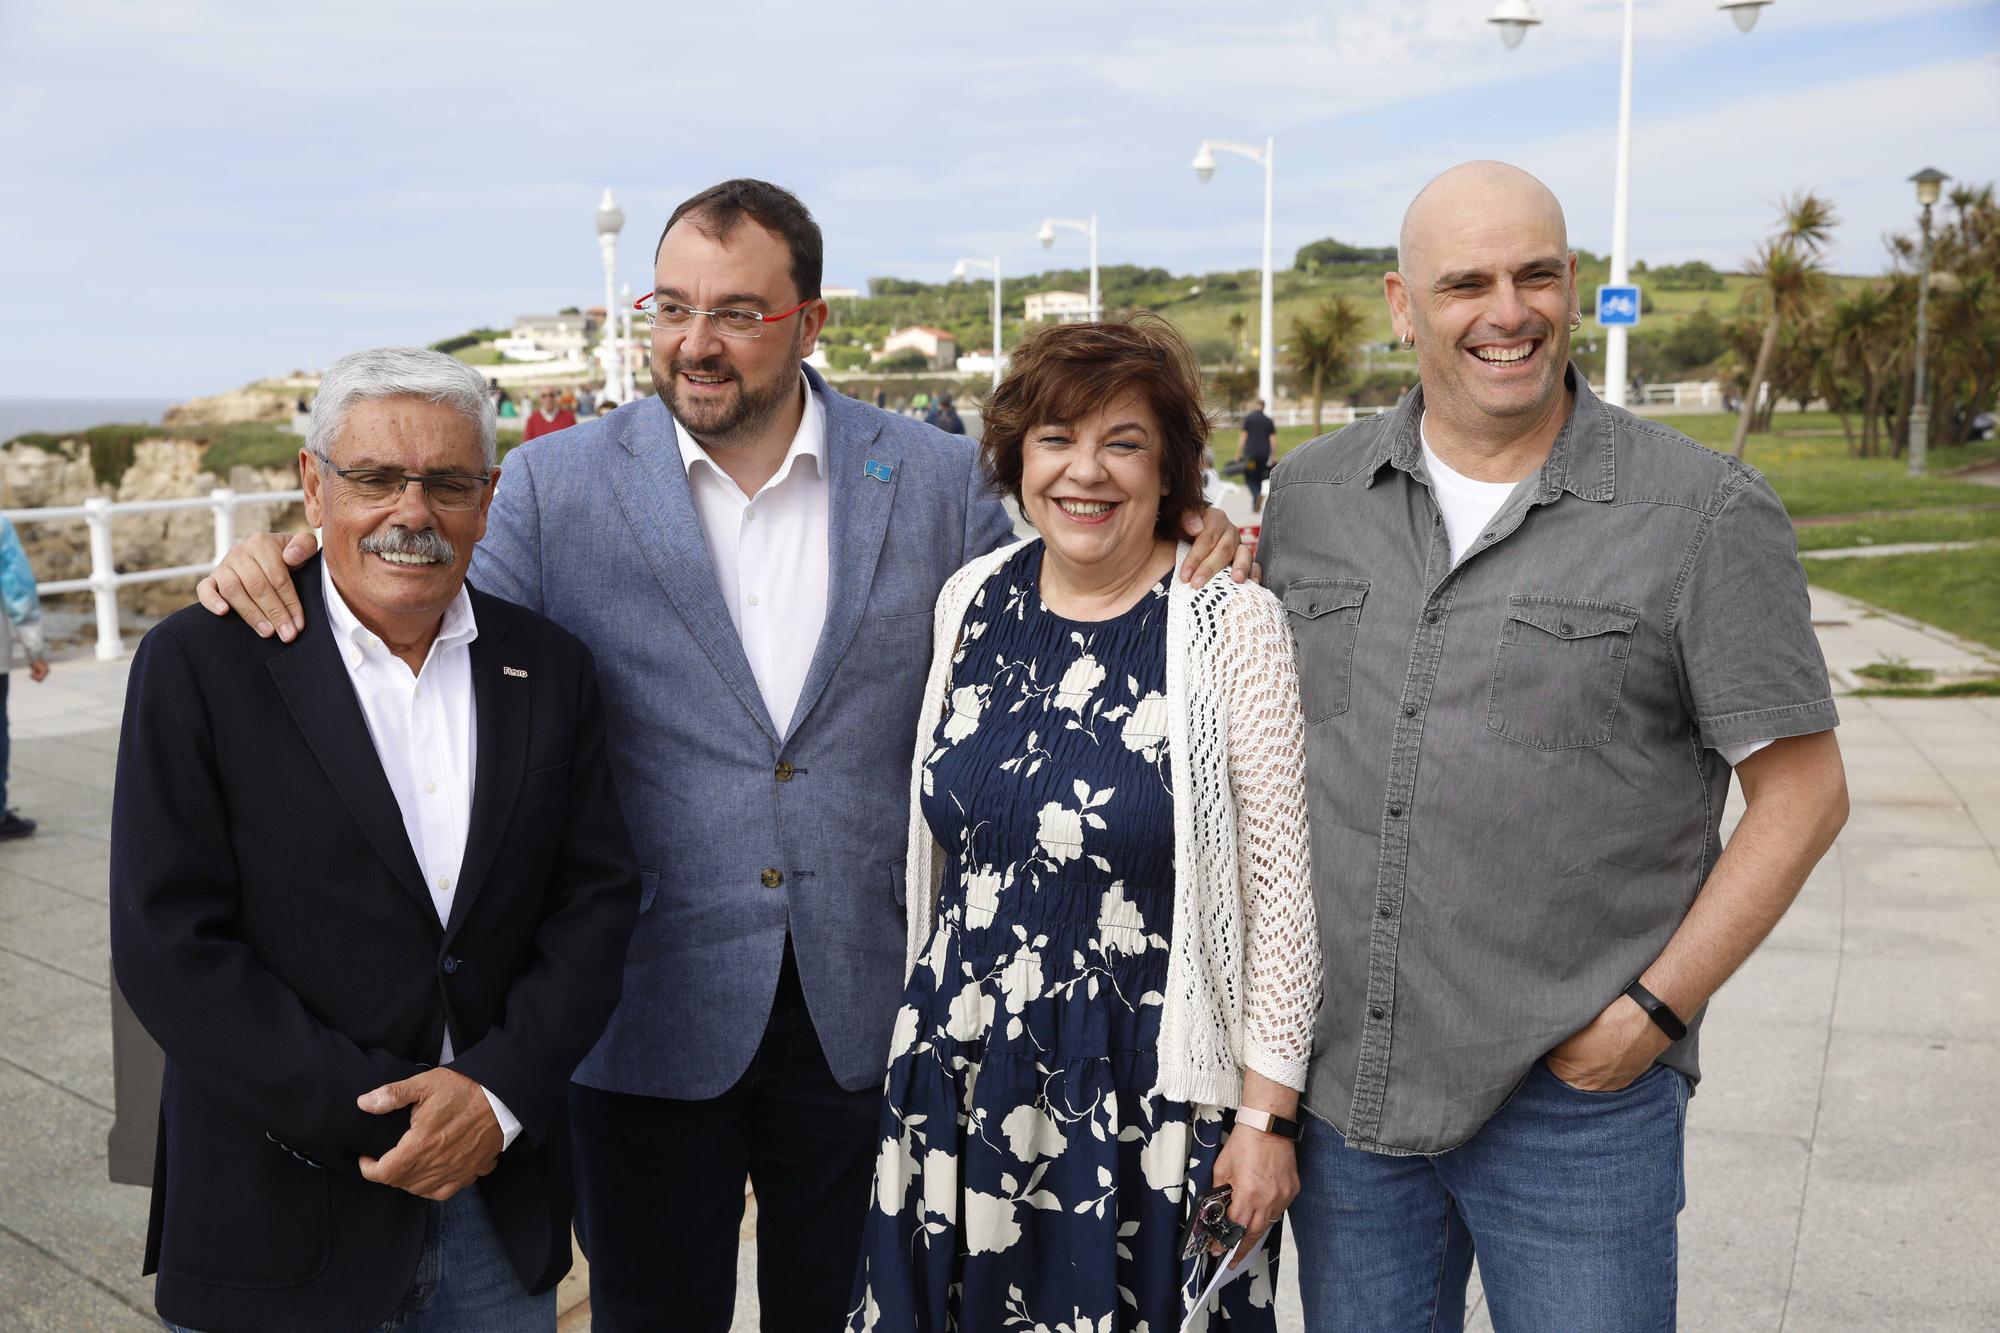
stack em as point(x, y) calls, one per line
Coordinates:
point(1954, 590)
point(1923, 526)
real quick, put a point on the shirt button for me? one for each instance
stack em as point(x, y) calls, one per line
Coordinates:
point(784, 771)
point(450, 964)
point(1409, 710)
point(1487, 536)
point(749, 513)
point(431, 785)
point(1384, 909)
point(1377, 1012)
point(1568, 629)
point(1430, 617)
point(1395, 812)
point(772, 877)
point(753, 599)
point(444, 881)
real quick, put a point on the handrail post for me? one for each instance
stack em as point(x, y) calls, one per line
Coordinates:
point(103, 578)
point(223, 501)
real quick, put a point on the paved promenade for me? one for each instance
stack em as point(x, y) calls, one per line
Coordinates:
point(1843, 1166)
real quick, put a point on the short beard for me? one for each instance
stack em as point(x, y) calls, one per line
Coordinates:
point(741, 421)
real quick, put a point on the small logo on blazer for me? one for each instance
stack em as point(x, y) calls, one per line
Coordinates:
point(879, 471)
point(513, 671)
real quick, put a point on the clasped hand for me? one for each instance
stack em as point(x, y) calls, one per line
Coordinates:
point(453, 1138)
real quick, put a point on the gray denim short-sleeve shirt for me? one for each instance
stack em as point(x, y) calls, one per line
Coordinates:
point(1512, 783)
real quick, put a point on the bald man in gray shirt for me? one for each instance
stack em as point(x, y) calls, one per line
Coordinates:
point(1536, 636)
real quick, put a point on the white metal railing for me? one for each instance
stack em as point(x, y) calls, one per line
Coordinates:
point(1333, 414)
point(105, 579)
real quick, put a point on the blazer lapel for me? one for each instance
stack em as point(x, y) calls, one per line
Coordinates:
point(652, 488)
point(501, 718)
point(858, 502)
point(313, 681)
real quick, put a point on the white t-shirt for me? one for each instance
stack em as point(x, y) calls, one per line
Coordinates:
point(1468, 505)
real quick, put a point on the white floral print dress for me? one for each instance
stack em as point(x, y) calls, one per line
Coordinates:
point(1027, 1182)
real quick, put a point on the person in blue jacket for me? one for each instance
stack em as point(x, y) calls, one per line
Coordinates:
point(23, 621)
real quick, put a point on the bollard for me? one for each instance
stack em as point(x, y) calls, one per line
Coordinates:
point(103, 578)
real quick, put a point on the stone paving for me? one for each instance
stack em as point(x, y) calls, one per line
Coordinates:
point(1843, 1171)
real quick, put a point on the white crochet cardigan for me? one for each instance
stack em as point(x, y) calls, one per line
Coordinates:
point(1241, 867)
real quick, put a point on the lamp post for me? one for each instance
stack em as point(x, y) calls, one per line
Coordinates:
point(629, 383)
point(610, 352)
point(1513, 18)
point(1047, 236)
point(1267, 347)
point(958, 270)
point(1928, 182)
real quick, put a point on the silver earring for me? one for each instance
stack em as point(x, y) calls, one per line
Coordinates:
point(1409, 340)
point(1575, 320)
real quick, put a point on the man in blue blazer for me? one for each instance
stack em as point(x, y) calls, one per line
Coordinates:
point(752, 558)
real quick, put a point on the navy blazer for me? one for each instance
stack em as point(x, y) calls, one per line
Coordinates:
point(272, 930)
point(744, 834)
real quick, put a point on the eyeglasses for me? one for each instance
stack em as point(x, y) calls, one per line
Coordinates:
point(730, 321)
point(379, 487)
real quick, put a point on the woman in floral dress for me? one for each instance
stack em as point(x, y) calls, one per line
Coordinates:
point(1108, 797)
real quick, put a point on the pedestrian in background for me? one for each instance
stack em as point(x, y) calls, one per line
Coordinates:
point(1256, 448)
point(550, 417)
point(946, 417)
point(23, 623)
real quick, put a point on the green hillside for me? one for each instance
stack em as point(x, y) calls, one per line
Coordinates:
point(1204, 304)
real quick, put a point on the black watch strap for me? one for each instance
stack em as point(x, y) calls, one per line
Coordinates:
point(1656, 1009)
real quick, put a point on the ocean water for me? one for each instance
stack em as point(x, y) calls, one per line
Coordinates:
point(18, 416)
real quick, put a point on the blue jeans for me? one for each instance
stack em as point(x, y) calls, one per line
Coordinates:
point(464, 1283)
point(1569, 1199)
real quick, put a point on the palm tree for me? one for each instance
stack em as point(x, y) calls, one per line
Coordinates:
point(1323, 347)
point(1868, 334)
point(1788, 274)
point(1239, 323)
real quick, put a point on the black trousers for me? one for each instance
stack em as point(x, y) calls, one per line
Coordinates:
point(659, 1188)
point(1254, 472)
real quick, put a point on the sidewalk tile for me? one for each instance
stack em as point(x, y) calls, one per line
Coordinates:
point(1737, 1231)
point(1757, 1076)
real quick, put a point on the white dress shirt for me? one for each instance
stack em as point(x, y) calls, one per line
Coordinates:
point(770, 554)
point(422, 727)
point(1468, 505)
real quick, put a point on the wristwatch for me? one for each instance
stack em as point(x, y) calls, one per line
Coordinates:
point(1663, 1016)
point(1270, 1124)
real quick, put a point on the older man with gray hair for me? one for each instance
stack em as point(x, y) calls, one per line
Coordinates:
point(371, 891)
point(1537, 638)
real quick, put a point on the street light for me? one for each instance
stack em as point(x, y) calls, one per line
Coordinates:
point(1047, 236)
point(1204, 170)
point(610, 219)
point(1928, 182)
point(630, 383)
point(958, 270)
point(1514, 18)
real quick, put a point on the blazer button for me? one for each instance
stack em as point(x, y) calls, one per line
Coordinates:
point(772, 877)
point(784, 772)
point(450, 964)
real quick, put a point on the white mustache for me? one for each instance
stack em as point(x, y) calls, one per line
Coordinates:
point(425, 545)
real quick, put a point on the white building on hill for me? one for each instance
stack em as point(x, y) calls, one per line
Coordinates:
point(547, 338)
point(1066, 307)
point(936, 344)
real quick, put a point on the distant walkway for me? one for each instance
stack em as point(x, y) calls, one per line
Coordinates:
point(1841, 1153)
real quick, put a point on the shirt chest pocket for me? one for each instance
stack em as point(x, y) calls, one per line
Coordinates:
point(1559, 671)
point(1326, 618)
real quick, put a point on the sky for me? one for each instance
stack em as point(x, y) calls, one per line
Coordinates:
point(197, 194)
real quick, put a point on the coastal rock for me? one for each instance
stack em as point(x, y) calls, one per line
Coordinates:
point(161, 470)
point(252, 402)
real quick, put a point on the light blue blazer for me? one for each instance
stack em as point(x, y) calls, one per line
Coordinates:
point(595, 528)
